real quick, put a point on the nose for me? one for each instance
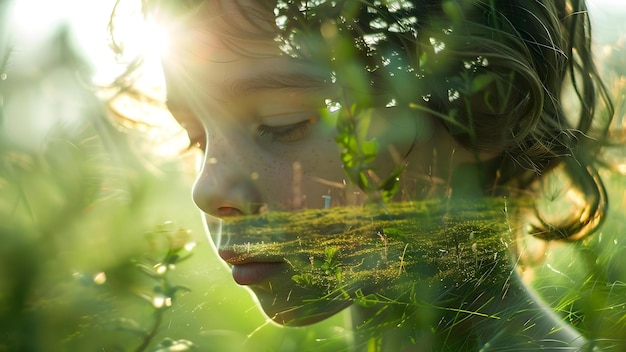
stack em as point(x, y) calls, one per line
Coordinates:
point(225, 186)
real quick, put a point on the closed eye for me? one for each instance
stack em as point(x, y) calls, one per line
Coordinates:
point(287, 133)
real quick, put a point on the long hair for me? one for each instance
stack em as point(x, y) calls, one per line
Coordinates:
point(513, 77)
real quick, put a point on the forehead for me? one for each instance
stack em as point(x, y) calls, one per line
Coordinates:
point(219, 28)
point(225, 42)
point(232, 45)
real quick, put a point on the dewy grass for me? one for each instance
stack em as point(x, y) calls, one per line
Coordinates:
point(448, 244)
point(72, 214)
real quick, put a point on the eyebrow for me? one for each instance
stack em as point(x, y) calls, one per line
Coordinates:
point(276, 81)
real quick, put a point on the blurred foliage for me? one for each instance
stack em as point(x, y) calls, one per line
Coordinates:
point(585, 281)
point(72, 232)
point(96, 238)
point(91, 241)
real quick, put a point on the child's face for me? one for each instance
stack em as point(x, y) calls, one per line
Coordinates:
point(269, 150)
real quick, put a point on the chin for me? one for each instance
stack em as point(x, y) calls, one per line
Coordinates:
point(290, 313)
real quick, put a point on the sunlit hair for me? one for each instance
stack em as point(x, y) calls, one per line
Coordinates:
point(512, 77)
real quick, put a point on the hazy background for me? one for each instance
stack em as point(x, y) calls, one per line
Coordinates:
point(84, 209)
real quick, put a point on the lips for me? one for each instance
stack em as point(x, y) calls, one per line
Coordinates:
point(249, 271)
point(255, 272)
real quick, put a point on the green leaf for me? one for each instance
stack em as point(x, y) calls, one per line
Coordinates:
point(370, 149)
point(365, 300)
point(363, 181)
point(480, 82)
point(391, 185)
point(330, 252)
point(304, 279)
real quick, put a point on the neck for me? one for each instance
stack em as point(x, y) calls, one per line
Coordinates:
point(383, 328)
point(460, 290)
point(510, 317)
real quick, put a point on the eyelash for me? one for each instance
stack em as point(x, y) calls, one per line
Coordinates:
point(287, 133)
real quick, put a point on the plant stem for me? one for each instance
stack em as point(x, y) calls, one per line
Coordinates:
point(155, 326)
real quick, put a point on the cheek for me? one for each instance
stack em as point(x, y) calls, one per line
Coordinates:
point(398, 135)
point(403, 140)
point(302, 175)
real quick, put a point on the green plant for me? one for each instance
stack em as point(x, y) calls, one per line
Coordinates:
point(162, 296)
point(358, 155)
